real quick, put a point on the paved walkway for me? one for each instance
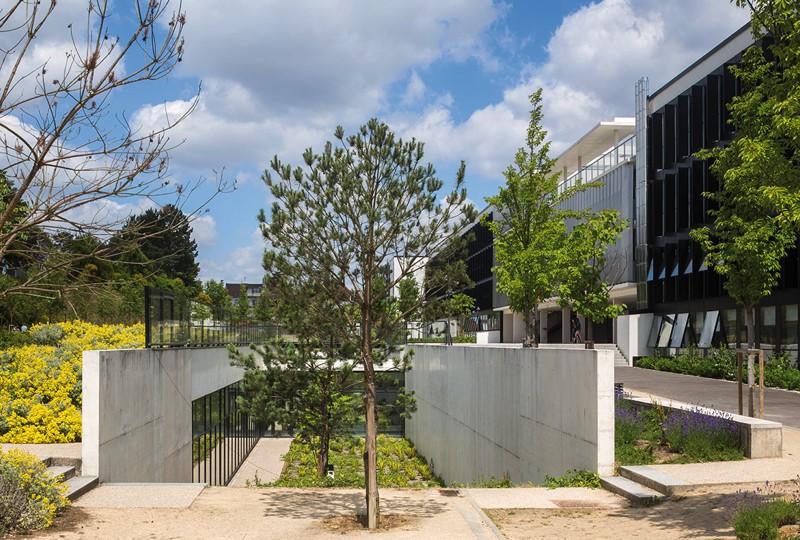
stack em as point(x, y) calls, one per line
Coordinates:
point(779, 405)
point(539, 497)
point(266, 461)
point(135, 495)
point(241, 513)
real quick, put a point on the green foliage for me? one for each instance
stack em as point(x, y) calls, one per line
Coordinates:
point(204, 445)
point(573, 478)
point(762, 521)
point(242, 309)
point(220, 301)
point(779, 371)
point(399, 465)
point(29, 497)
point(339, 222)
point(758, 216)
point(537, 255)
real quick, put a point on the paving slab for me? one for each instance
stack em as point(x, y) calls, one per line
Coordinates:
point(779, 405)
point(133, 495)
point(271, 513)
point(539, 497)
point(266, 461)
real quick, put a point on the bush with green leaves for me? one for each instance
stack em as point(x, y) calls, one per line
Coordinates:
point(573, 478)
point(720, 363)
point(398, 465)
point(30, 497)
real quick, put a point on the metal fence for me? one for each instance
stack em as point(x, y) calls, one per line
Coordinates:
point(168, 323)
point(222, 436)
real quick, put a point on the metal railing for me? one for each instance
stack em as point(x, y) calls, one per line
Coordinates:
point(222, 436)
point(622, 152)
point(168, 323)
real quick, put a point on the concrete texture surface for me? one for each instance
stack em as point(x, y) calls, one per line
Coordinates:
point(65, 450)
point(137, 410)
point(490, 411)
point(539, 497)
point(779, 405)
point(236, 513)
point(132, 495)
point(265, 460)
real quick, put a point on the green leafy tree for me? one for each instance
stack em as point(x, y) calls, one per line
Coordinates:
point(531, 238)
point(306, 384)
point(221, 303)
point(408, 300)
point(347, 213)
point(583, 286)
point(758, 201)
point(242, 309)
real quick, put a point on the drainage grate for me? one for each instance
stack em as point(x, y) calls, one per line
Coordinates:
point(577, 503)
point(449, 493)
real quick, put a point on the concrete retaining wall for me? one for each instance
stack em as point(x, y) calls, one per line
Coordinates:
point(487, 411)
point(137, 410)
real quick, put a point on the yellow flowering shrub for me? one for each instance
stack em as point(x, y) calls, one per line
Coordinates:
point(29, 496)
point(40, 383)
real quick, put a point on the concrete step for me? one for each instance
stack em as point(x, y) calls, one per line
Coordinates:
point(65, 472)
point(78, 485)
point(635, 492)
point(619, 358)
point(654, 479)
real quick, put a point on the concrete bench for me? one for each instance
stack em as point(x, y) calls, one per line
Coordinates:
point(760, 438)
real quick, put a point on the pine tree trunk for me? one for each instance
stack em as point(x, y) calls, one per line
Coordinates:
point(370, 408)
point(749, 316)
point(324, 443)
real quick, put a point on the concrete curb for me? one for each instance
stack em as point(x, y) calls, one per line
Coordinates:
point(486, 519)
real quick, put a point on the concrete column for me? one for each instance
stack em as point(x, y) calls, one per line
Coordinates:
point(565, 337)
point(543, 326)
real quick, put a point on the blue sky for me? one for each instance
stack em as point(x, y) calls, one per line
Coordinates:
point(278, 77)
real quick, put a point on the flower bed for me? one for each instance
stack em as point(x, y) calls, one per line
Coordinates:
point(40, 379)
point(648, 435)
point(769, 513)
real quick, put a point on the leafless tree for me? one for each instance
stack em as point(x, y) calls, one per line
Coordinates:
point(71, 158)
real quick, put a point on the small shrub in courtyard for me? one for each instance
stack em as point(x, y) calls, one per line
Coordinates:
point(761, 515)
point(29, 496)
point(574, 478)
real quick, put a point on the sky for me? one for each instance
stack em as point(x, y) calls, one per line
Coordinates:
point(277, 77)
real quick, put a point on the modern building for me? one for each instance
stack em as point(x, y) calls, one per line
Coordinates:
point(649, 173)
point(252, 291)
point(689, 301)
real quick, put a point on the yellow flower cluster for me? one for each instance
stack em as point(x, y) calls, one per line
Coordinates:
point(40, 384)
point(32, 495)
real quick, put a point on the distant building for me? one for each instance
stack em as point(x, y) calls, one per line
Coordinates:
point(252, 290)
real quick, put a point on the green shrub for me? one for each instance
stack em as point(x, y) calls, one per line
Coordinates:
point(29, 496)
point(398, 465)
point(573, 478)
point(46, 334)
point(720, 363)
point(762, 521)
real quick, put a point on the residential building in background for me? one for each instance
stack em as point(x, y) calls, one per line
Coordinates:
point(252, 290)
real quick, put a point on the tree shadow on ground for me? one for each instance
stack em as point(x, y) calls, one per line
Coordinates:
point(709, 514)
point(72, 520)
point(321, 504)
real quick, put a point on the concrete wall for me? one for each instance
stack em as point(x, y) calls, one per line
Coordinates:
point(137, 410)
point(486, 411)
point(632, 333)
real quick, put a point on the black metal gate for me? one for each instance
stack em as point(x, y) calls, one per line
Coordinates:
point(222, 436)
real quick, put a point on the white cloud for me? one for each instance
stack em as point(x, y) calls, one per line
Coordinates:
point(204, 230)
point(243, 264)
point(594, 59)
point(279, 76)
point(415, 89)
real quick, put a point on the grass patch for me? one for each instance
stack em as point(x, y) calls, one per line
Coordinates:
point(573, 478)
point(762, 521)
point(398, 465)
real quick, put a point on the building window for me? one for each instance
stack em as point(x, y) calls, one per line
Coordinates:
point(666, 331)
point(768, 331)
point(789, 317)
point(679, 331)
point(728, 327)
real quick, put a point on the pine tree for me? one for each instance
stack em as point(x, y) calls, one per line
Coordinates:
point(346, 214)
